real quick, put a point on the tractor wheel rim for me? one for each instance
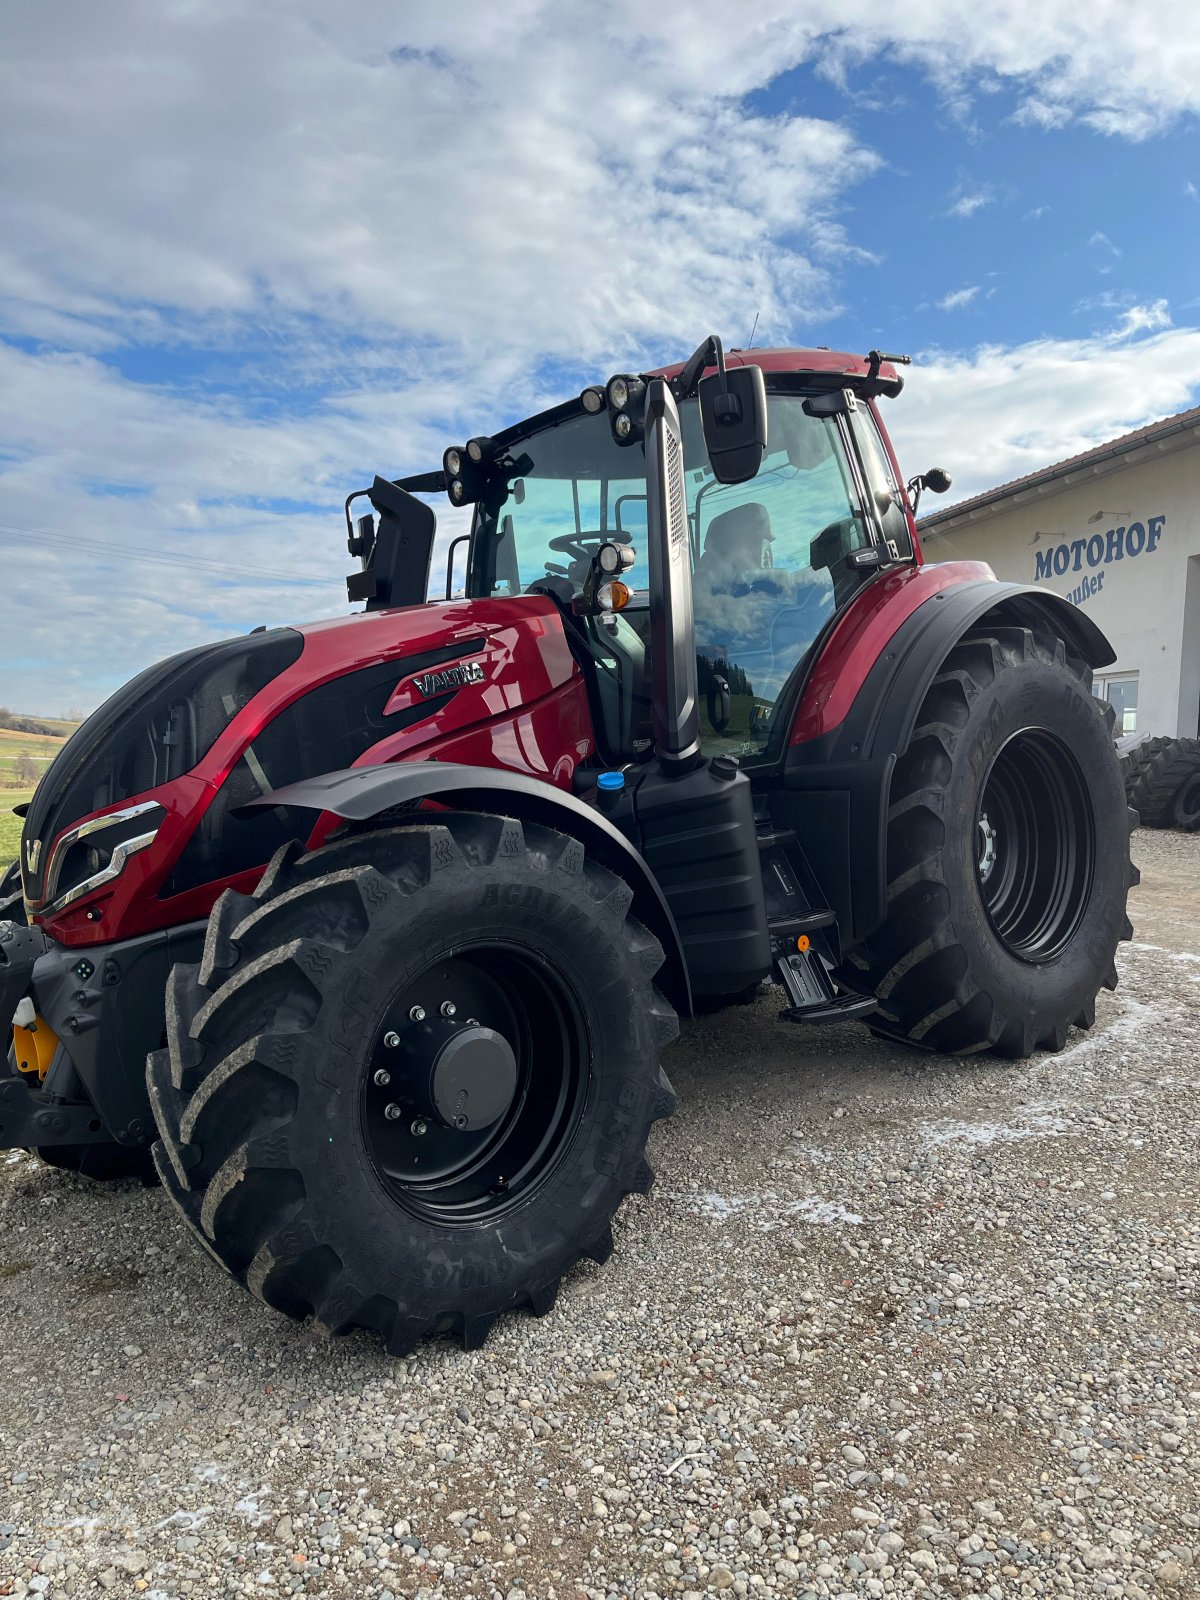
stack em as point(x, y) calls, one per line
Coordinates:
point(475, 1083)
point(1036, 835)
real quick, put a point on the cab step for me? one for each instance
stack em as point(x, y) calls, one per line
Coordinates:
point(810, 989)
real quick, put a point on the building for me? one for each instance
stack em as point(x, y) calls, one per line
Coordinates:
point(1116, 530)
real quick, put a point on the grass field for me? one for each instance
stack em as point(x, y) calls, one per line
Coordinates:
point(40, 748)
point(10, 826)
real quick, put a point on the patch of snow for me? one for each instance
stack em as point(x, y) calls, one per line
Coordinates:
point(815, 1209)
point(766, 1209)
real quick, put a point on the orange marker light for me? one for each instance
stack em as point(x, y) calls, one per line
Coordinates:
point(802, 944)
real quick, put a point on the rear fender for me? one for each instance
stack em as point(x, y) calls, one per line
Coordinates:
point(364, 794)
point(836, 787)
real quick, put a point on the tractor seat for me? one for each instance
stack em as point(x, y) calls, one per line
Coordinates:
point(738, 541)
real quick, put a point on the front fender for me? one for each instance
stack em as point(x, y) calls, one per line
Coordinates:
point(361, 794)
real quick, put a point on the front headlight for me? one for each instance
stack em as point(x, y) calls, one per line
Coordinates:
point(95, 852)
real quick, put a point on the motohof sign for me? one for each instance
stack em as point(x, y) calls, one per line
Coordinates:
point(1099, 550)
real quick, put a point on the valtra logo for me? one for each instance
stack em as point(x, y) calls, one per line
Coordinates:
point(431, 683)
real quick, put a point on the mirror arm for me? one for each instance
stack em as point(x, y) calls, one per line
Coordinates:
point(709, 354)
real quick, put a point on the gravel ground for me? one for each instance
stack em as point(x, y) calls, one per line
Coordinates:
point(888, 1324)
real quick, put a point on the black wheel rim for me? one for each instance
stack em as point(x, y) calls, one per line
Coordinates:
point(1035, 844)
point(509, 1005)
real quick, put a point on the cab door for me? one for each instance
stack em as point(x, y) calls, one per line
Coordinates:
point(772, 566)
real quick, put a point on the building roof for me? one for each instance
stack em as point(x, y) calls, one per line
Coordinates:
point(1089, 461)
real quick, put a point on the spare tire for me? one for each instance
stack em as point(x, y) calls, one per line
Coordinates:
point(1164, 785)
point(1007, 856)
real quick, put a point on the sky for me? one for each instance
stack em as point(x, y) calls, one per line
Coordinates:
point(253, 253)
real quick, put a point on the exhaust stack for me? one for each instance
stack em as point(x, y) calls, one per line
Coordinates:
point(676, 715)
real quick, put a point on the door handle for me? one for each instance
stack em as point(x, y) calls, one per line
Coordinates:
point(718, 704)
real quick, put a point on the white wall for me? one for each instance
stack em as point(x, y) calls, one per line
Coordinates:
point(1141, 600)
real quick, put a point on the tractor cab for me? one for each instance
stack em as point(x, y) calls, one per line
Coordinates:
point(773, 558)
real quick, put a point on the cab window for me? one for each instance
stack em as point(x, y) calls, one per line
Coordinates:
point(769, 570)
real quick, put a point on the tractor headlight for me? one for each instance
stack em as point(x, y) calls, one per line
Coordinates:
point(480, 450)
point(95, 852)
point(592, 400)
point(452, 462)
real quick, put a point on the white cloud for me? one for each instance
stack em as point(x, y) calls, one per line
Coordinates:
point(969, 202)
point(1100, 241)
point(996, 413)
point(959, 298)
point(1143, 319)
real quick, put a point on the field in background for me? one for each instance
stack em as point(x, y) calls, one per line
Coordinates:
point(38, 748)
point(10, 826)
point(24, 758)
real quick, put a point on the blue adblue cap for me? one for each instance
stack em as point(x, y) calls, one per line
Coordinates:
point(611, 781)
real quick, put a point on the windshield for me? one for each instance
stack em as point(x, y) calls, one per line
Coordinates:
point(767, 555)
point(582, 488)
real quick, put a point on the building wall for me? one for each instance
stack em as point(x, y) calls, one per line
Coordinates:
point(1135, 569)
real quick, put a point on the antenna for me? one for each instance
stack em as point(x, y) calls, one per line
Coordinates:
point(750, 341)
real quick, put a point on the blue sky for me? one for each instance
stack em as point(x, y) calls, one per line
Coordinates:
point(249, 256)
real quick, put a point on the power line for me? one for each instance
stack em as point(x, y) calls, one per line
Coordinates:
point(163, 557)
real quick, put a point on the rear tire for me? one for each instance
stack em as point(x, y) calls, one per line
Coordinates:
point(316, 1098)
point(1164, 788)
point(1008, 857)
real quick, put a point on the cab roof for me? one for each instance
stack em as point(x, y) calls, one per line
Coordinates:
point(820, 363)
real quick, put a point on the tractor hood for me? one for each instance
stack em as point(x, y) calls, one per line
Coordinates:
point(138, 807)
point(156, 727)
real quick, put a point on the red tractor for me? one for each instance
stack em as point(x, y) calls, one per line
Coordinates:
point(402, 908)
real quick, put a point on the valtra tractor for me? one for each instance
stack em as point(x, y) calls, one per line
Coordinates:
point(371, 932)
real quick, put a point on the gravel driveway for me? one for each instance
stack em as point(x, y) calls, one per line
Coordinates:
point(887, 1324)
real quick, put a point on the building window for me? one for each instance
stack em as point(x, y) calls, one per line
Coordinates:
point(1121, 691)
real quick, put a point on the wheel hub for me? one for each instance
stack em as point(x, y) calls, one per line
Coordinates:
point(474, 1078)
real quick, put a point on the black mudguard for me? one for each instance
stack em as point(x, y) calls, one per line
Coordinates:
point(835, 789)
point(364, 794)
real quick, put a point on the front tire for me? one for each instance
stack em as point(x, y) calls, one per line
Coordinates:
point(412, 1079)
point(1008, 857)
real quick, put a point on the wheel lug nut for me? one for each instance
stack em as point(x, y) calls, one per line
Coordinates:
point(391, 1040)
point(449, 1009)
point(417, 1014)
point(391, 1112)
point(419, 1127)
point(383, 1077)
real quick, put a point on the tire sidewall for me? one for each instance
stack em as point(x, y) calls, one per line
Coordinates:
point(1037, 694)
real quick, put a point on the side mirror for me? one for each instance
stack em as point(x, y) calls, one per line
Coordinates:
point(733, 414)
point(936, 480)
